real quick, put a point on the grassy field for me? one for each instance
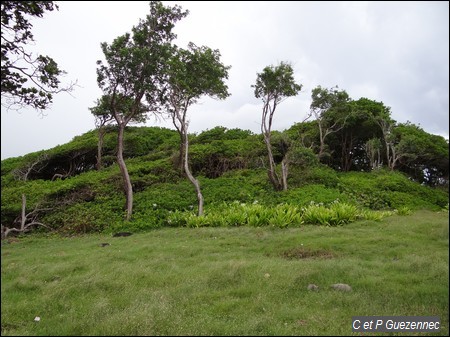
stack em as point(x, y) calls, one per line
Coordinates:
point(227, 281)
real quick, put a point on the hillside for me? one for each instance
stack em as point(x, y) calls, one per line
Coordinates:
point(69, 194)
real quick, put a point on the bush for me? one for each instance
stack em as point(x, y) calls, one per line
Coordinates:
point(382, 189)
point(316, 193)
point(303, 176)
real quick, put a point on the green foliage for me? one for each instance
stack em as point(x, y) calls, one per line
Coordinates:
point(422, 156)
point(404, 211)
point(192, 73)
point(217, 157)
point(306, 175)
point(281, 215)
point(221, 133)
point(136, 63)
point(242, 185)
point(91, 200)
point(315, 193)
point(276, 82)
point(384, 189)
point(27, 80)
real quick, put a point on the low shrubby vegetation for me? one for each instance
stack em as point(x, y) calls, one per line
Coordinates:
point(232, 175)
point(281, 215)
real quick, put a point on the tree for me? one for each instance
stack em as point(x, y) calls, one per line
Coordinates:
point(348, 145)
point(132, 76)
point(382, 117)
point(192, 73)
point(273, 85)
point(373, 152)
point(331, 110)
point(103, 116)
point(25, 220)
point(36, 165)
point(26, 80)
point(423, 156)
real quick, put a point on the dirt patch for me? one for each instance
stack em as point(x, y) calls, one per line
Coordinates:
point(305, 253)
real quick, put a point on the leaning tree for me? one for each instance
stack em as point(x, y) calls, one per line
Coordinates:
point(132, 74)
point(273, 85)
point(192, 73)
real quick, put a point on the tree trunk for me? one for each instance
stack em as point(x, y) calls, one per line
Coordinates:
point(182, 154)
point(322, 140)
point(266, 126)
point(191, 178)
point(123, 170)
point(23, 217)
point(23, 220)
point(101, 135)
point(284, 172)
point(273, 177)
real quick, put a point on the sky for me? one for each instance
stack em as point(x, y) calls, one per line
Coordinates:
point(393, 52)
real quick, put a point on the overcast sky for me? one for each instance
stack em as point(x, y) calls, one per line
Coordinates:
point(394, 52)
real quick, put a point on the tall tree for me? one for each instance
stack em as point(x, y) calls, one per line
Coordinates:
point(273, 85)
point(27, 80)
point(133, 73)
point(331, 109)
point(382, 116)
point(349, 143)
point(192, 73)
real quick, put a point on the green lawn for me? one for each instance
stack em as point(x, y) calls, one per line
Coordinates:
point(227, 281)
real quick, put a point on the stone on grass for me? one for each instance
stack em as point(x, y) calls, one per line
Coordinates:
point(313, 287)
point(341, 287)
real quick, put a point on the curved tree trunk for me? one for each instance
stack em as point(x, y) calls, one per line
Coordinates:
point(266, 126)
point(124, 171)
point(273, 177)
point(191, 178)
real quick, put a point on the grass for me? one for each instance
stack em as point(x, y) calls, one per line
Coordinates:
point(227, 281)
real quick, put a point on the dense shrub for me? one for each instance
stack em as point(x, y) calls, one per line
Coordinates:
point(382, 189)
point(316, 193)
point(317, 174)
point(232, 170)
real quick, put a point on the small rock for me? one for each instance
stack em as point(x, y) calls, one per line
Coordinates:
point(37, 319)
point(341, 287)
point(266, 275)
point(313, 287)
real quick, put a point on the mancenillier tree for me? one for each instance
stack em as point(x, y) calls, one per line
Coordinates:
point(132, 75)
point(273, 85)
point(192, 73)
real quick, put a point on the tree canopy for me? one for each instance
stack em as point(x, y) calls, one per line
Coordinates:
point(27, 80)
point(133, 74)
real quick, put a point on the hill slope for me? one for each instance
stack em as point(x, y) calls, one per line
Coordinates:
point(69, 194)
